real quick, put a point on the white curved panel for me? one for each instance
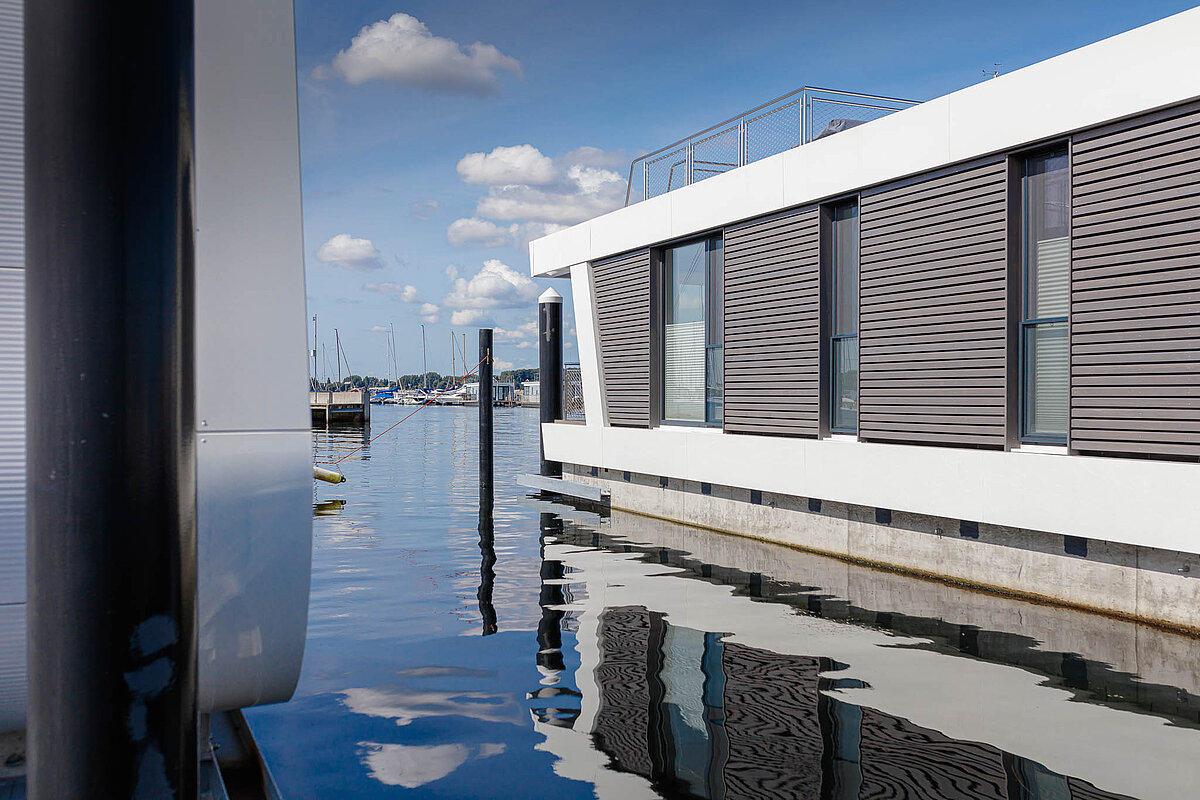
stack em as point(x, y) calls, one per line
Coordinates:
point(255, 556)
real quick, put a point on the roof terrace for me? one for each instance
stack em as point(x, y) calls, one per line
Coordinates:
point(789, 121)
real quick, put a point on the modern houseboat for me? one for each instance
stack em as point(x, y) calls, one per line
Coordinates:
point(530, 393)
point(956, 338)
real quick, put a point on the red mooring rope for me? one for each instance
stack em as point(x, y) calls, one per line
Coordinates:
point(461, 381)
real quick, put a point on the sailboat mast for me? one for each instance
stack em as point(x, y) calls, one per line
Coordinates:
point(453, 357)
point(424, 362)
point(387, 367)
point(337, 353)
point(395, 372)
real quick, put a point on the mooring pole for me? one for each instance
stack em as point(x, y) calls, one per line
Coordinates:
point(549, 370)
point(486, 494)
point(111, 487)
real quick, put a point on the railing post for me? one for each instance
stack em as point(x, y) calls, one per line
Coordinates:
point(742, 142)
point(645, 181)
point(687, 167)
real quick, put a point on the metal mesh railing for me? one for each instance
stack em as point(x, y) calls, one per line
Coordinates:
point(786, 122)
point(572, 393)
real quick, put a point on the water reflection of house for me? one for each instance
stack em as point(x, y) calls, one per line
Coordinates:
point(700, 717)
point(771, 676)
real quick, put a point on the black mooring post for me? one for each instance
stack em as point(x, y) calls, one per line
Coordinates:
point(486, 494)
point(549, 370)
point(110, 428)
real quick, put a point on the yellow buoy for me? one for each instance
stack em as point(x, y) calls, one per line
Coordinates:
point(328, 475)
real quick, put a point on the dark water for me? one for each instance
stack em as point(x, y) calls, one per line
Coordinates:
point(555, 654)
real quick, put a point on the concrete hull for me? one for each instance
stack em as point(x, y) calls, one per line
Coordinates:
point(1129, 581)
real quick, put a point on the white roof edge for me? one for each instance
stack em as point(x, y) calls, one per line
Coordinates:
point(1143, 69)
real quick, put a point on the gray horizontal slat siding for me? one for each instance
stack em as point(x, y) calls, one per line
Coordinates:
point(1135, 286)
point(772, 325)
point(932, 310)
point(12, 137)
point(622, 287)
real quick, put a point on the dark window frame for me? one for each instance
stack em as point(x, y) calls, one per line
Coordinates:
point(1021, 324)
point(658, 299)
point(829, 297)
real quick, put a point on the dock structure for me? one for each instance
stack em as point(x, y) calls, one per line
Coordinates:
point(340, 408)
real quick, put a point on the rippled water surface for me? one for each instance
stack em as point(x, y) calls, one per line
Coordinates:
point(551, 653)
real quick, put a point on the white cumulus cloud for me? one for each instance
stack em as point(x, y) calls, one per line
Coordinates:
point(406, 293)
point(429, 313)
point(585, 192)
point(401, 49)
point(350, 252)
point(497, 285)
point(526, 330)
point(530, 195)
point(469, 317)
point(485, 233)
point(522, 163)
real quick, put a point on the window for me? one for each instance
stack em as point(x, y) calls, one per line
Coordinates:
point(693, 323)
point(843, 340)
point(1045, 267)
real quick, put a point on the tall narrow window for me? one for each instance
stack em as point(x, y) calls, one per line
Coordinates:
point(1046, 262)
point(693, 332)
point(843, 357)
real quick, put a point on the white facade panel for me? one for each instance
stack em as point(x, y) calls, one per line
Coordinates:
point(253, 453)
point(255, 557)
point(1137, 502)
point(251, 368)
point(588, 343)
point(1141, 70)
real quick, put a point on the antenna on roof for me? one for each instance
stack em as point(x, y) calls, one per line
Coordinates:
point(995, 70)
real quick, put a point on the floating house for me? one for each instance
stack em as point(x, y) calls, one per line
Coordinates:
point(531, 393)
point(956, 338)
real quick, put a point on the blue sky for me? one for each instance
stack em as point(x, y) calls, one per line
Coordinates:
point(403, 224)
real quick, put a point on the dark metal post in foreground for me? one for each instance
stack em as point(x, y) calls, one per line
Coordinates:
point(486, 494)
point(111, 476)
point(549, 370)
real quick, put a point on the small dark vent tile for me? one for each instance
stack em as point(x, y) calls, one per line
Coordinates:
point(814, 505)
point(627, 476)
point(968, 529)
point(756, 497)
point(1075, 546)
point(883, 516)
point(706, 488)
point(662, 481)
